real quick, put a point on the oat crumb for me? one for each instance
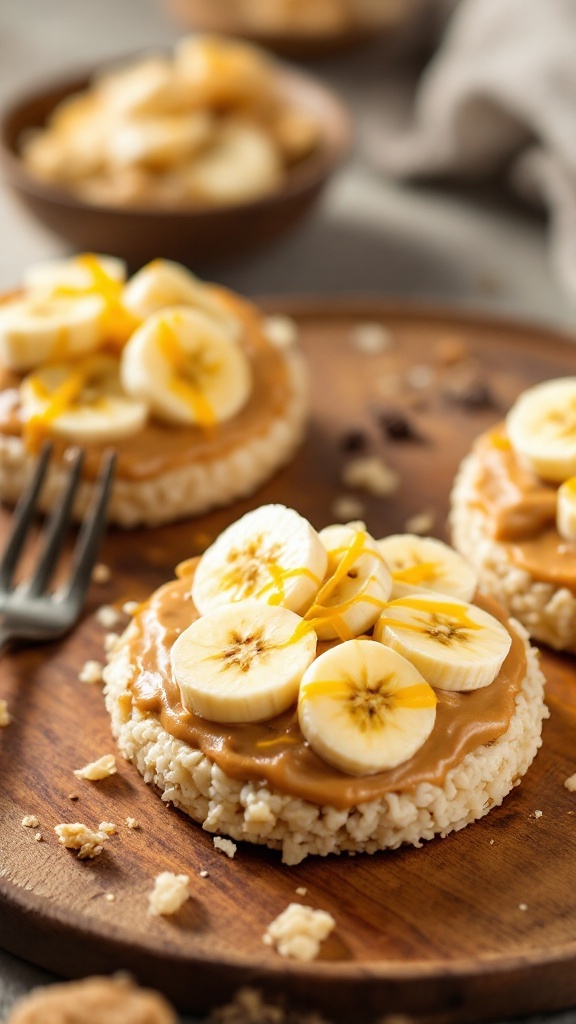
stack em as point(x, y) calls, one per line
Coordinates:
point(522, 906)
point(109, 897)
point(492, 842)
point(76, 836)
point(38, 837)
point(5, 716)
point(73, 796)
point(101, 573)
point(298, 931)
point(96, 770)
point(301, 890)
point(30, 821)
point(570, 783)
point(130, 607)
point(225, 846)
point(421, 523)
point(131, 823)
point(371, 338)
point(108, 827)
point(91, 672)
point(371, 474)
point(281, 331)
point(420, 377)
point(347, 507)
point(169, 893)
point(248, 1007)
point(110, 641)
point(538, 814)
point(450, 349)
point(92, 1000)
point(107, 616)
point(204, 874)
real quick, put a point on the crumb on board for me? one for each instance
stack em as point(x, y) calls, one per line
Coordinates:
point(570, 783)
point(79, 837)
point(38, 837)
point(301, 890)
point(421, 523)
point(170, 892)
point(225, 846)
point(131, 823)
point(93, 1000)
point(107, 616)
point(450, 349)
point(204, 873)
point(30, 821)
point(347, 507)
point(73, 796)
point(102, 768)
point(538, 814)
point(281, 331)
point(91, 672)
point(109, 897)
point(371, 474)
point(298, 931)
point(108, 827)
point(130, 607)
point(370, 338)
point(5, 716)
point(248, 1007)
point(101, 573)
point(522, 906)
point(420, 376)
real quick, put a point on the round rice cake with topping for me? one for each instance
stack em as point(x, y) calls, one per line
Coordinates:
point(283, 780)
point(513, 513)
point(183, 379)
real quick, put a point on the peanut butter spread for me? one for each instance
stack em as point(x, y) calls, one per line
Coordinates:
point(275, 750)
point(521, 512)
point(158, 447)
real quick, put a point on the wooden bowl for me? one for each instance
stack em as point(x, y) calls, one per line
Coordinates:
point(216, 16)
point(193, 235)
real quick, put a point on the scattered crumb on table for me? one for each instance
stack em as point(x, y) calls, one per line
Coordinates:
point(347, 507)
point(421, 523)
point(79, 837)
point(570, 783)
point(102, 768)
point(108, 827)
point(101, 573)
point(370, 473)
point(298, 931)
point(91, 672)
point(225, 846)
point(30, 821)
point(5, 716)
point(107, 616)
point(170, 892)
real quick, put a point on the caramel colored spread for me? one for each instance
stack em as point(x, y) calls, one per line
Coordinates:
point(275, 750)
point(159, 448)
point(521, 512)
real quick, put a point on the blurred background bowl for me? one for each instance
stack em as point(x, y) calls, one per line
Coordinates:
point(194, 235)
point(316, 40)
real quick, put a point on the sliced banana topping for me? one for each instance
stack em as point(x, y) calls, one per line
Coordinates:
point(242, 662)
point(272, 554)
point(81, 401)
point(242, 164)
point(356, 588)
point(424, 563)
point(455, 645)
point(77, 274)
point(163, 283)
point(541, 426)
point(566, 509)
point(363, 708)
point(186, 368)
point(37, 328)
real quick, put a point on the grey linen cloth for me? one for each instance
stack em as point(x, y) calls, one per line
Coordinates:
point(501, 93)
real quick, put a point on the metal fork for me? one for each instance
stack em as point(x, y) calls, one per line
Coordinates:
point(29, 614)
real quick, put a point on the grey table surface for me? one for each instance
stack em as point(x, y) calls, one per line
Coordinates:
point(370, 235)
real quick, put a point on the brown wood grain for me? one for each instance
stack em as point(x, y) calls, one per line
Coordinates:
point(436, 932)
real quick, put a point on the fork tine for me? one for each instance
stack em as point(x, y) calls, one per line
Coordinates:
point(57, 529)
point(91, 533)
point(22, 519)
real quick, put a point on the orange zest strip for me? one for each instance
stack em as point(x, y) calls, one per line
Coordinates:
point(58, 401)
point(452, 611)
point(278, 580)
point(177, 357)
point(117, 322)
point(352, 553)
point(415, 698)
point(284, 740)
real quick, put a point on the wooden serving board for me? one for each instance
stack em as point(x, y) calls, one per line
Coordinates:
point(478, 925)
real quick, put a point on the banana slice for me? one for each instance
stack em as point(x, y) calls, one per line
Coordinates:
point(272, 554)
point(81, 401)
point(541, 426)
point(455, 645)
point(81, 273)
point(364, 708)
point(159, 143)
point(148, 86)
point(242, 662)
point(186, 368)
point(163, 283)
point(37, 328)
point(566, 509)
point(424, 563)
point(356, 588)
point(242, 163)
point(220, 72)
